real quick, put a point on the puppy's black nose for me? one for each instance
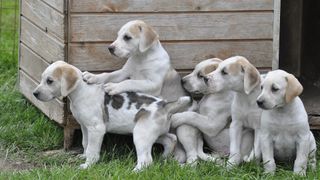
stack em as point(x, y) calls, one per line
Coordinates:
point(36, 94)
point(205, 79)
point(111, 49)
point(183, 81)
point(260, 102)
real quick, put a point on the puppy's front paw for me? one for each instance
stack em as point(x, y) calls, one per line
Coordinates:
point(177, 120)
point(84, 166)
point(113, 88)
point(89, 77)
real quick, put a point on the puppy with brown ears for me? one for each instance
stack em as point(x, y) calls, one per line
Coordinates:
point(148, 68)
point(145, 117)
point(285, 133)
point(239, 75)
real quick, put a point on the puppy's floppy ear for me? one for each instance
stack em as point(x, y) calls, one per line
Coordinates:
point(251, 75)
point(148, 37)
point(69, 79)
point(209, 68)
point(294, 88)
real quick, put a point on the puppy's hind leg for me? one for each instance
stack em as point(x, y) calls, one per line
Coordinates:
point(169, 142)
point(143, 139)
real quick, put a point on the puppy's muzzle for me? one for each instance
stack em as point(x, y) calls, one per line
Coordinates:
point(111, 49)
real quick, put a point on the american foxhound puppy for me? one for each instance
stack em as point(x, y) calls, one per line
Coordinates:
point(239, 75)
point(97, 112)
point(285, 133)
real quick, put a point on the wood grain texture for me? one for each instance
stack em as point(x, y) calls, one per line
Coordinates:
point(57, 4)
point(42, 43)
point(168, 5)
point(48, 19)
point(184, 55)
point(173, 26)
point(53, 109)
point(32, 63)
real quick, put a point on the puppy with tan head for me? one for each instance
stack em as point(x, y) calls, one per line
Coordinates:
point(285, 133)
point(145, 117)
point(147, 70)
point(237, 74)
point(211, 118)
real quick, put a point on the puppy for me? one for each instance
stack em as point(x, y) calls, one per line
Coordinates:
point(147, 70)
point(211, 118)
point(238, 75)
point(144, 116)
point(285, 133)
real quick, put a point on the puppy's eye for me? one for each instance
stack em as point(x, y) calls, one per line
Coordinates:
point(126, 37)
point(261, 87)
point(274, 89)
point(49, 81)
point(200, 76)
point(223, 72)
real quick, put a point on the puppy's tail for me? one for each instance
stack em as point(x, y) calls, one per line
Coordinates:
point(175, 106)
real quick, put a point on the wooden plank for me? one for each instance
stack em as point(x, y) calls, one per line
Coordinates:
point(42, 43)
point(168, 5)
point(184, 55)
point(44, 17)
point(32, 63)
point(276, 34)
point(53, 109)
point(57, 4)
point(173, 26)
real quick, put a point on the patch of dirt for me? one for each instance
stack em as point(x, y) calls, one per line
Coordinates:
point(8, 165)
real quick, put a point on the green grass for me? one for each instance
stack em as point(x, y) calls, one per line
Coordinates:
point(25, 133)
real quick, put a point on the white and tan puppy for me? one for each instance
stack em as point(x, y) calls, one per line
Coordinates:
point(285, 133)
point(239, 75)
point(147, 70)
point(144, 116)
point(212, 117)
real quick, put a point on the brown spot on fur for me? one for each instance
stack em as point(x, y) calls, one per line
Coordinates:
point(146, 33)
point(139, 99)
point(67, 72)
point(234, 68)
point(142, 114)
point(117, 101)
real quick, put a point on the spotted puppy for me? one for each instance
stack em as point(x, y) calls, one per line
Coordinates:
point(211, 118)
point(144, 116)
point(285, 132)
point(237, 74)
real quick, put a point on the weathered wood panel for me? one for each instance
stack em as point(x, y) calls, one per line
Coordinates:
point(185, 26)
point(42, 43)
point(57, 4)
point(32, 63)
point(53, 109)
point(44, 16)
point(184, 55)
point(168, 5)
